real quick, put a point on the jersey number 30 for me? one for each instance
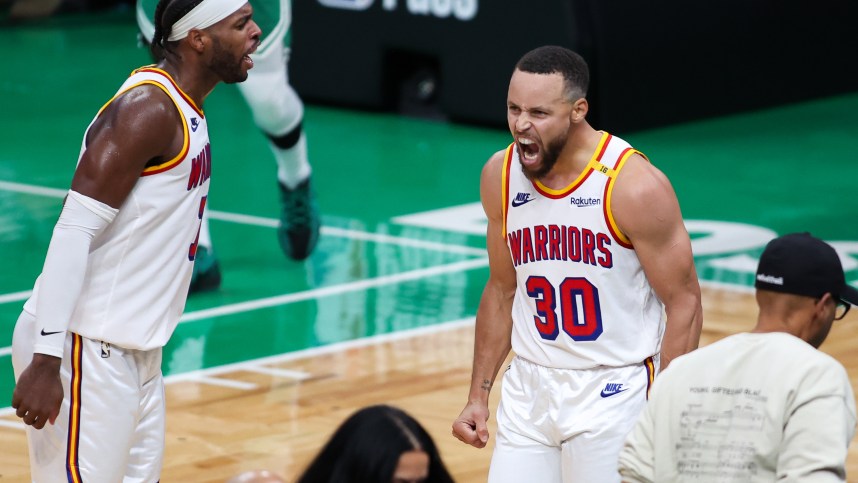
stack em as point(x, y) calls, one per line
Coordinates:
point(580, 314)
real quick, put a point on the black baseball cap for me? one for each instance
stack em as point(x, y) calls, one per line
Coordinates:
point(802, 264)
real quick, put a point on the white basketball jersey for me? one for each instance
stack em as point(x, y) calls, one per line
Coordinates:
point(582, 298)
point(139, 267)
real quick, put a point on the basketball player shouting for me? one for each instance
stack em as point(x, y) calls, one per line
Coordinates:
point(87, 346)
point(586, 248)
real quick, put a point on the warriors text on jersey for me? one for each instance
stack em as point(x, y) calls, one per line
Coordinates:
point(139, 267)
point(582, 298)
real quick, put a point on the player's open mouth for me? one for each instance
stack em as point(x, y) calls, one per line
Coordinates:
point(528, 149)
point(247, 58)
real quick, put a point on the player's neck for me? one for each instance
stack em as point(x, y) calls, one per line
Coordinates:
point(194, 82)
point(792, 320)
point(576, 154)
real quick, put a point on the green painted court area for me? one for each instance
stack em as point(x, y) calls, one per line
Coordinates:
point(403, 237)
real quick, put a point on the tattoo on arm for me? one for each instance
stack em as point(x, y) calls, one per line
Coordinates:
point(487, 385)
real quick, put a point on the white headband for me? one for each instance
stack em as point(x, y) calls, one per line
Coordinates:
point(206, 14)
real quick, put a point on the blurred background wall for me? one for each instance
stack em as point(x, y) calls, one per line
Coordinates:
point(652, 62)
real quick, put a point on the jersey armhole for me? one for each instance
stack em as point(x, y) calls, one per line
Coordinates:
point(507, 162)
point(616, 233)
point(185, 135)
point(186, 138)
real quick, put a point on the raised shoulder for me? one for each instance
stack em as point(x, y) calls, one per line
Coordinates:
point(647, 212)
point(138, 126)
point(640, 177)
point(643, 198)
point(491, 185)
point(501, 271)
point(146, 113)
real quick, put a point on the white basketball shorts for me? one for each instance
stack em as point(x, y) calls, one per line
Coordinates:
point(564, 426)
point(111, 422)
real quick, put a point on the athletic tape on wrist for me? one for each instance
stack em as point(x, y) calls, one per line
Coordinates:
point(206, 14)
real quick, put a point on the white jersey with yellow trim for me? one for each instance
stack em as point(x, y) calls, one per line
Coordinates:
point(139, 267)
point(582, 298)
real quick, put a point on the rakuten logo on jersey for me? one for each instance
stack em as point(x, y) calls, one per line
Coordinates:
point(461, 9)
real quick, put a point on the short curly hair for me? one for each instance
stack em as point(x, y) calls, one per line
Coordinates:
point(553, 59)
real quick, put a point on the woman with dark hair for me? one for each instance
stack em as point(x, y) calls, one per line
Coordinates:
point(378, 444)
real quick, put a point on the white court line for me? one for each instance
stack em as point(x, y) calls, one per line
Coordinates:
point(405, 242)
point(207, 375)
point(322, 292)
point(355, 235)
point(333, 290)
point(14, 297)
point(258, 221)
point(703, 283)
point(243, 219)
point(13, 424)
point(273, 223)
point(350, 234)
point(320, 351)
point(216, 381)
point(32, 189)
point(281, 373)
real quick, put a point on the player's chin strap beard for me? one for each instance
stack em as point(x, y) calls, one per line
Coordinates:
point(206, 14)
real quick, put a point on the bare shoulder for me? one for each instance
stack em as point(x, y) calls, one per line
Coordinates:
point(494, 166)
point(638, 178)
point(145, 110)
point(491, 184)
point(137, 127)
point(643, 198)
point(146, 123)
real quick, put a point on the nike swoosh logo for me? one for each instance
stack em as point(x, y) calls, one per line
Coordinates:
point(51, 333)
point(516, 203)
point(613, 393)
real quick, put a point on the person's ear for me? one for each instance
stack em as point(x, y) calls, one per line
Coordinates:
point(579, 110)
point(821, 307)
point(198, 40)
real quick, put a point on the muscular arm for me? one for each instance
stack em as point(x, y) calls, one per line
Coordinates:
point(141, 125)
point(494, 315)
point(135, 128)
point(647, 211)
point(138, 126)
